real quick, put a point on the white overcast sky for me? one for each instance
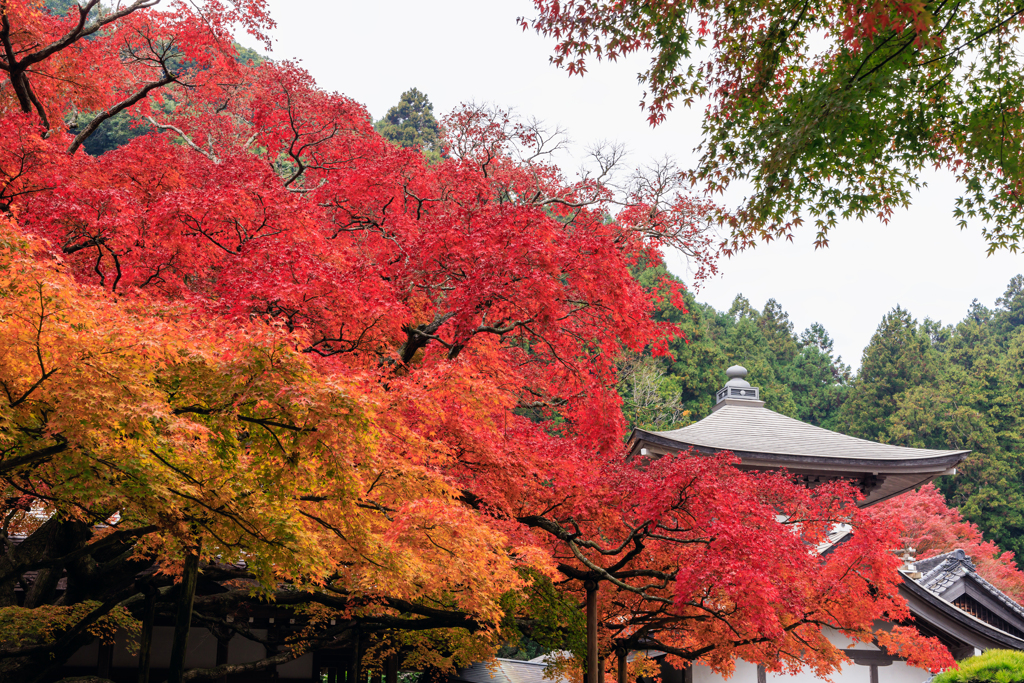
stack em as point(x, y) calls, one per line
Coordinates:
point(473, 50)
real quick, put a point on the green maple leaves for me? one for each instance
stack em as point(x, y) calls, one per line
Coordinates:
point(829, 109)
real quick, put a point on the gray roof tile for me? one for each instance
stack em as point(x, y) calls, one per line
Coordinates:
point(506, 671)
point(942, 572)
point(755, 429)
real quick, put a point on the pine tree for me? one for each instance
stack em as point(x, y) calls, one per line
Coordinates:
point(818, 380)
point(411, 123)
point(898, 358)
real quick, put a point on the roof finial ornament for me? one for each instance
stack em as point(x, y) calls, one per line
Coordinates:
point(908, 555)
point(736, 373)
point(738, 387)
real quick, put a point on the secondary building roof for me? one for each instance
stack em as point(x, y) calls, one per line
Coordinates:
point(951, 601)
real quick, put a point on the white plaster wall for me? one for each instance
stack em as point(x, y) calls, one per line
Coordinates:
point(297, 668)
point(848, 674)
point(897, 672)
point(242, 650)
point(122, 657)
point(745, 673)
point(201, 650)
point(844, 642)
point(901, 672)
point(86, 656)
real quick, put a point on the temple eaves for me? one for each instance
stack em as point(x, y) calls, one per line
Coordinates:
point(764, 439)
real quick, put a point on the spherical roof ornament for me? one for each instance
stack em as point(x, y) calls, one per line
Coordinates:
point(737, 387)
point(736, 373)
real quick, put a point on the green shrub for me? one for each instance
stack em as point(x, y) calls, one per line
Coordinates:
point(1001, 666)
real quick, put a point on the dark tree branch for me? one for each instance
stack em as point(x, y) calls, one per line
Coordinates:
point(117, 109)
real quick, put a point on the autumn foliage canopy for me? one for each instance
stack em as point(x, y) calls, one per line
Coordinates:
point(373, 388)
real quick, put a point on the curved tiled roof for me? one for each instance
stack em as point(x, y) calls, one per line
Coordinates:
point(943, 571)
point(755, 429)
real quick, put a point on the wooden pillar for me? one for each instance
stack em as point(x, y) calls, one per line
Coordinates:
point(391, 669)
point(105, 660)
point(222, 654)
point(622, 654)
point(592, 665)
point(874, 673)
point(146, 643)
point(183, 618)
point(357, 662)
point(600, 670)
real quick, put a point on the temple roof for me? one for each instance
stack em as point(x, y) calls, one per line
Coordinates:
point(506, 671)
point(764, 439)
point(755, 429)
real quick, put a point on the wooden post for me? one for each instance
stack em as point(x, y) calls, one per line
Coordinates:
point(105, 660)
point(223, 642)
point(600, 670)
point(623, 656)
point(391, 669)
point(592, 665)
point(146, 644)
point(183, 619)
point(357, 661)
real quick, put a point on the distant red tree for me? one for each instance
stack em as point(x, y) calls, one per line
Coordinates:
point(931, 527)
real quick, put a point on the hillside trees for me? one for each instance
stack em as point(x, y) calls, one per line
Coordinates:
point(800, 376)
point(955, 386)
point(899, 359)
point(827, 109)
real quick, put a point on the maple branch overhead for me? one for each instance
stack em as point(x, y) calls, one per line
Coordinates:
point(97, 120)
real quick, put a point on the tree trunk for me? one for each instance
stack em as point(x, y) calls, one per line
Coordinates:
point(357, 661)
